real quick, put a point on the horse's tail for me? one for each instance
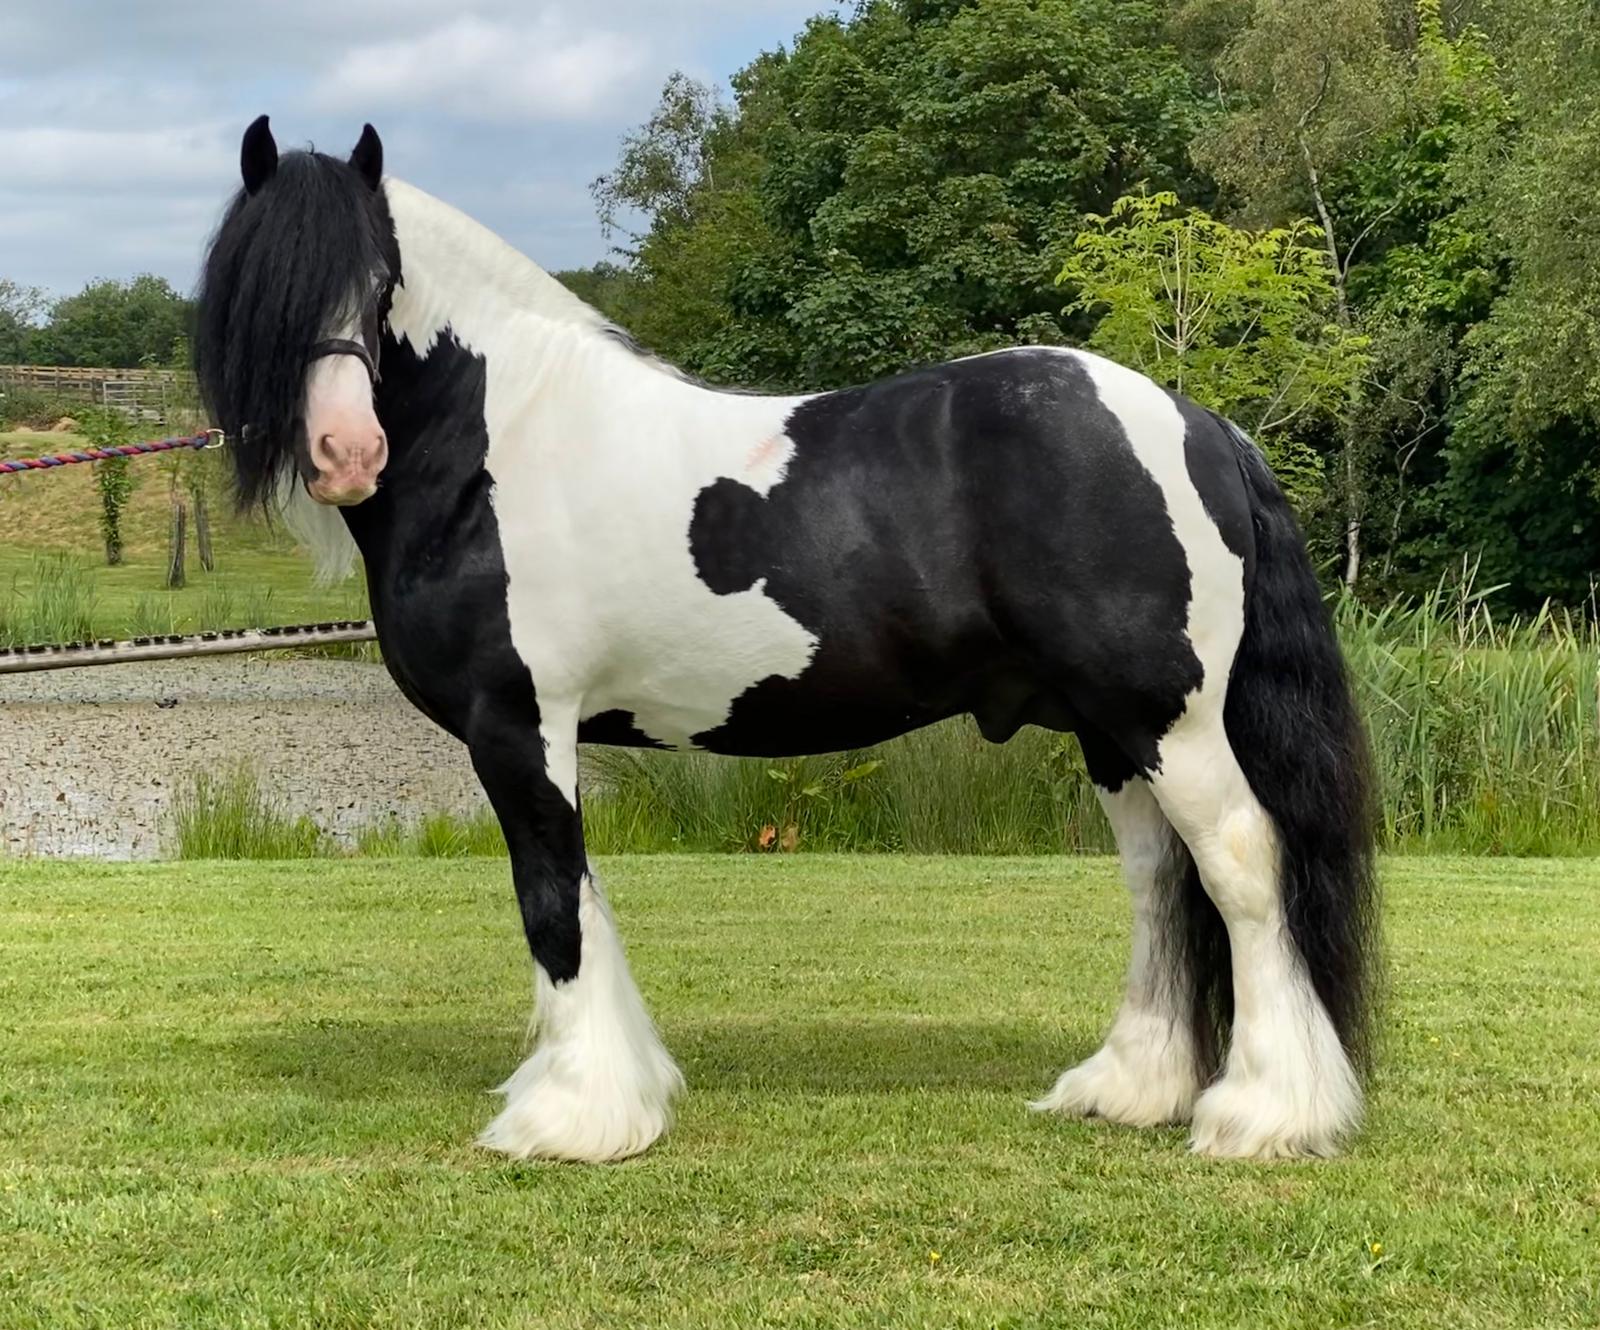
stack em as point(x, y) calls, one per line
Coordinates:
point(1293, 725)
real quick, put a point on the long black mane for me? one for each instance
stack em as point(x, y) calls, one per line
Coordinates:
point(308, 248)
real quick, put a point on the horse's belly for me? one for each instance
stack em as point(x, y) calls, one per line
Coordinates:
point(774, 719)
point(677, 680)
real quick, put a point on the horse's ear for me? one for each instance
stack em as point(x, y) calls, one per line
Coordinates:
point(258, 155)
point(367, 157)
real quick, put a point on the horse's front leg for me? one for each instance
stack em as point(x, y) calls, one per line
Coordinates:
point(598, 1084)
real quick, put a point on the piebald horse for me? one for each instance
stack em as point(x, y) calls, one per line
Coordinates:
point(567, 541)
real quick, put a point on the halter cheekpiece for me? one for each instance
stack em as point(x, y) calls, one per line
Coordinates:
point(344, 346)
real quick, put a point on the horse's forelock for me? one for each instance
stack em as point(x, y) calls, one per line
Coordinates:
point(286, 263)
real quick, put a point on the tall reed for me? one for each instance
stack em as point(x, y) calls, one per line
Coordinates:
point(1485, 731)
point(53, 602)
point(1485, 735)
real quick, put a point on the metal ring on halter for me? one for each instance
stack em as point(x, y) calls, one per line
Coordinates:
point(215, 438)
point(344, 346)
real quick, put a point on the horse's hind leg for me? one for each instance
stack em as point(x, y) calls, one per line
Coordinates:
point(598, 1084)
point(1145, 1072)
point(1288, 1087)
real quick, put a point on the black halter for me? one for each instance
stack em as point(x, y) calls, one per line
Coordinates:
point(343, 346)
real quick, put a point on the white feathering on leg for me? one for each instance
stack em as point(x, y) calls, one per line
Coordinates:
point(599, 1084)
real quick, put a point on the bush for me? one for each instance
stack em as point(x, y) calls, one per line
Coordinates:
point(35, 408)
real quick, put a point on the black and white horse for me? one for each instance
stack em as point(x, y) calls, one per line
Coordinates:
point(567, 541)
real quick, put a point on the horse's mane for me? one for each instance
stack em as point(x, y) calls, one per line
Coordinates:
point(286, 263)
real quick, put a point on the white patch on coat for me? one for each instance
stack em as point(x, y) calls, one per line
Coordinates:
point(599, 1084)
point(597, 458)
point(558, 732)
point(1155, 431)
point(1144, 1074)
point(1288, 1088)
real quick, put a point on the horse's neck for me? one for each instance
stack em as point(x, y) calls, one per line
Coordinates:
point(458, 276)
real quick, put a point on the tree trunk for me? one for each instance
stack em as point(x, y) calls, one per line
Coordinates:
point(175, 549)
point(202, 533)
point(1352, 474)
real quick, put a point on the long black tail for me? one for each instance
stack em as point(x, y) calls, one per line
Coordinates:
point(1293, 725)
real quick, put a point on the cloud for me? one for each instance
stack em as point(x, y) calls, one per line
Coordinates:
point(480, 69)
point(95, 160)
point(118, 154)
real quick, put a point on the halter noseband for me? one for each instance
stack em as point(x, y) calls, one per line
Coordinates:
point(343, 346)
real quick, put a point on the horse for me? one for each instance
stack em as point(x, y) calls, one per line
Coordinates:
point(566, 540)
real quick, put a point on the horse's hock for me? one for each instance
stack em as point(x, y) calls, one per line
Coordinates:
point(95, 757)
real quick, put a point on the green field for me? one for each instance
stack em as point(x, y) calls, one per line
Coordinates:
point(244, 1095)
point(54, 577)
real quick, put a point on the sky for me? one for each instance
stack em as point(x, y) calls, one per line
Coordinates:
point(120, 120)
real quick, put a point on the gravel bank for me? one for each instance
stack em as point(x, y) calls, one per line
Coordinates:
point(89, 758)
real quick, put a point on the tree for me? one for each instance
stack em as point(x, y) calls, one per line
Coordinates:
point(1242, 322)
point(20, 308)
point(1317, 81)
point(665, 160)
point(900, 187)
point(115, 324)
point(1524, 454)
point(607, 286)
point(1429, 271)
point(1537, 360)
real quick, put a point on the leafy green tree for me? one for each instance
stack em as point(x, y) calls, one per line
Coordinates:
point(1240, 321)
point(607, 286)
point(900, 187)
point(1524, 453)
point(115, 324)
point(1315, 81)
point(665, 160)
point(1537, 361)
point(1430, 270)
point(20, 308)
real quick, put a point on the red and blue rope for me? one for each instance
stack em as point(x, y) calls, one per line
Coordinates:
point(210, 439)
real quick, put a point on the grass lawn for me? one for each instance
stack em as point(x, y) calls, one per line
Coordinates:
point(243, 1095)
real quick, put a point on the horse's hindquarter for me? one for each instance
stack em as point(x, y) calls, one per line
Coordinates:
point(783, 575)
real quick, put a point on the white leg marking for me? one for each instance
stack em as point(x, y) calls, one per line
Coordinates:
point(1288, 1088)
point(599, 1084)
point(1144, 1073)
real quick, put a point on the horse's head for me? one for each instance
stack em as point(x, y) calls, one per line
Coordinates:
point(292, 305)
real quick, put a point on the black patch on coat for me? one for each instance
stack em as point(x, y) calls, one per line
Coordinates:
point(436, 578)
point(615, 728)
point(974, 537)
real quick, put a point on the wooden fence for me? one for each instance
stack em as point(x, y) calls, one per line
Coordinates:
point(154, 395)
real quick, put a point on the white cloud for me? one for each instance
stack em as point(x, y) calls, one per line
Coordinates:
point(118, 154)
point(47, 157)
point(489, 70)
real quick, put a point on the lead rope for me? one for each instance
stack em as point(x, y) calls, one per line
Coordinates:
point(211, 438)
